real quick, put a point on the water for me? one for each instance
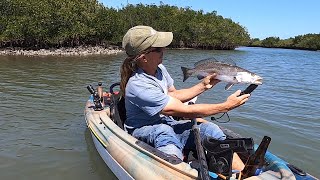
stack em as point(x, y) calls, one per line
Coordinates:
point(44, 135)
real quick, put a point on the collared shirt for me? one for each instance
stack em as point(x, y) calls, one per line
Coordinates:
point(145, 98)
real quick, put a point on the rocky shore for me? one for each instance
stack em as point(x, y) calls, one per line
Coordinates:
point(77, 51)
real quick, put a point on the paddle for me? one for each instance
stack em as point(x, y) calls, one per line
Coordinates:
point(204, 174)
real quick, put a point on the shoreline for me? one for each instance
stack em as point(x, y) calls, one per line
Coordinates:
point(76, 51)
point(86, 51)
point(67, 51)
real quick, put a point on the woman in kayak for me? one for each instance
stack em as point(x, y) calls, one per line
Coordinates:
point(151, 98)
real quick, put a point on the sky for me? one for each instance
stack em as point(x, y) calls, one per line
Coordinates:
point(262, 19)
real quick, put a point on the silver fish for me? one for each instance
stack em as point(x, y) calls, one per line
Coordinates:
point(229, 73)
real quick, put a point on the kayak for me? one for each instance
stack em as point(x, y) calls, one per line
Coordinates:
point(130, 158)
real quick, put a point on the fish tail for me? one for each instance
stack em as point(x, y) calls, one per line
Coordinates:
point(186, 73)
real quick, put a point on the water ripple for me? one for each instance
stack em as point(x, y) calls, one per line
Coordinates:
point(43, 100)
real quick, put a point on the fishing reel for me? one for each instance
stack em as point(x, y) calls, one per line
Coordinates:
point(96, 98)
point(221, 163)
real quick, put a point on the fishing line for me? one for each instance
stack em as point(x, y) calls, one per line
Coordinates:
point(216, 119)
point(212, 118)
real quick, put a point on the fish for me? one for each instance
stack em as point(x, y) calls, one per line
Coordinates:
point(225, 72)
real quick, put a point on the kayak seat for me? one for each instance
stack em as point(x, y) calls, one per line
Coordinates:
point(118, 110)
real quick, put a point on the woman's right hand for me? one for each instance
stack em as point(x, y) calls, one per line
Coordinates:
point(234, 100)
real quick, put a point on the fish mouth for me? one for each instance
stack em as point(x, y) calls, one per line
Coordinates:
point(258, 80)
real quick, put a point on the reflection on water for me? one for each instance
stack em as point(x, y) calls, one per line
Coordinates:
point(44, 134)
point(97, 164)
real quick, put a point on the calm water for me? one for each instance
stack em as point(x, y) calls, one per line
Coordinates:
point(44, 135)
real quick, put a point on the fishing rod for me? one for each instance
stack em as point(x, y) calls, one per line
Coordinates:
point(204, 173)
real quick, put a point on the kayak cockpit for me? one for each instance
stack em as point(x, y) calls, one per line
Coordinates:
point(138, 160)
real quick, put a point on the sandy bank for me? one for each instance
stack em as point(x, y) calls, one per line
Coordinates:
point(78, 51)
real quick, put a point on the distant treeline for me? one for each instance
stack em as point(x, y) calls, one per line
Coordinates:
point(36, 24)
point(39, 24)
point(307, 42)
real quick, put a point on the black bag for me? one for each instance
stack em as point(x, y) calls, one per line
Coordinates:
point(219, 153)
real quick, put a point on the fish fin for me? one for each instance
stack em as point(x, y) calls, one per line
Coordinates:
point(186, 73)
point(200, 76)
point(212, 62)
point(205, 61)
point(228, 86)
point(229, 61)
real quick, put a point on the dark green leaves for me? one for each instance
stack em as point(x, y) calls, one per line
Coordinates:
point(56, 23)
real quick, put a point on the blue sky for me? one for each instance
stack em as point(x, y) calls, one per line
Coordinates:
point(280, 18)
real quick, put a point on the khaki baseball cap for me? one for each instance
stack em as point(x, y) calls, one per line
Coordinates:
point(140, 38)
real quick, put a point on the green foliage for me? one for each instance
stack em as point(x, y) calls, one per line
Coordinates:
point(286, 43)
point(48, 23)
point(307, 42)
point(270, 41)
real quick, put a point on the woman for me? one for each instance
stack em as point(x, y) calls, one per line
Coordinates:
point(151, 98)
